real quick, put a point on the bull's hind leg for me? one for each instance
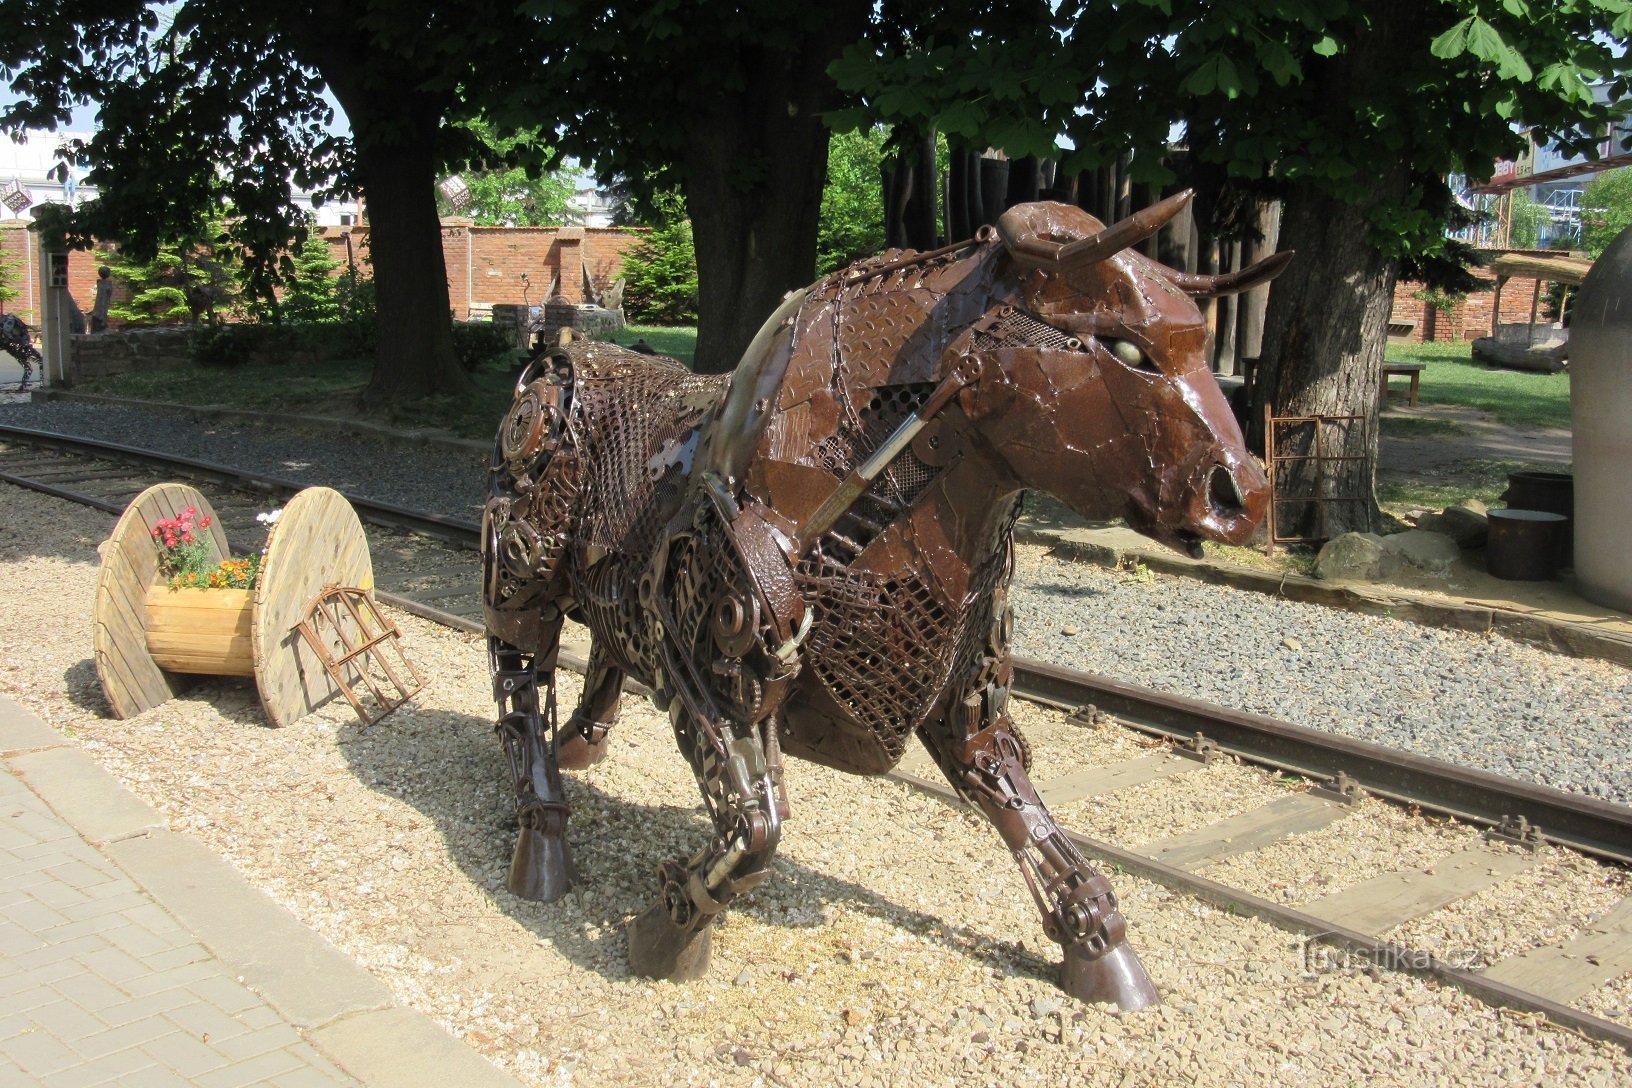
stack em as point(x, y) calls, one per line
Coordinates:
point(982, 757)
point(673, 937)
point(583, 741)
point(541, 868)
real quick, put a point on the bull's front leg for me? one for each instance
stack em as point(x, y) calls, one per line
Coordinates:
point(583, 742)
point(673, 937)
point(983, 757)
point(541, 868)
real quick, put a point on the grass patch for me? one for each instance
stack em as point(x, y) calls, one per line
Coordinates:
point(292, 387)
point(680, 342)
point(1413, 427)
point(332, 387)
point(1516, 398)
point(1477, 479)
point(1293, 559)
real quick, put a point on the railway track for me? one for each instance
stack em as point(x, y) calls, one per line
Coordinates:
point(425, 565)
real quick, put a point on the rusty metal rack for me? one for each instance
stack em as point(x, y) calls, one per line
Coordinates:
point(349, 619)
point(1322, 458)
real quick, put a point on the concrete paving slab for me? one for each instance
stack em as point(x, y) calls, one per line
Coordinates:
point(303, 976)
point(90, 799)
point(402, 1048)
point(21, 731)
point(148, 960)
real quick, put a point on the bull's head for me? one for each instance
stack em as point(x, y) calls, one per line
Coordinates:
point(1102, 394)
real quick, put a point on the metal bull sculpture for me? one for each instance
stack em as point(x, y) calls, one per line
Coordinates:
point(811, 556)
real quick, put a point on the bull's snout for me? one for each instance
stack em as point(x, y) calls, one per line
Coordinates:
point(1224, 494)
point(1236, 495)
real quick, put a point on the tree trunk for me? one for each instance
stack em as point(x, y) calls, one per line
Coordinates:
point(1024, 181)
point(1224, 346)
point(1326, 325)
point(755, 163)
point(1251, 338)
point(994, 188)
point(414, 353)
point(924, 213)
point(394, 129)
point(1324, 334)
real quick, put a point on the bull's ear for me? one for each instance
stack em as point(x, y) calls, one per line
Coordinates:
point(1027, 233)
point(1228, 283)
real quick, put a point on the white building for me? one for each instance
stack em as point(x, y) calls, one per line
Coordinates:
point(29, 173)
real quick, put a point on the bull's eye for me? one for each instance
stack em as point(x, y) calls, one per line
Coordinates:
point(1129, 353)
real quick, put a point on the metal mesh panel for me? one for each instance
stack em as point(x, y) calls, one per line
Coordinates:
point(1016, 329)
point(854, 646)
point(629, 409)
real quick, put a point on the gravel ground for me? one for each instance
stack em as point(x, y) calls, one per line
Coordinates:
point(1476, 700)
point(420, 476)
point(1481, 701)
point(922, 965)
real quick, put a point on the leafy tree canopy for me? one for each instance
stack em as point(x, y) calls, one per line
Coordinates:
point(1117, 75)
point(1606, 210)
point(503, 195)
point(852, 220)
point(205, 103)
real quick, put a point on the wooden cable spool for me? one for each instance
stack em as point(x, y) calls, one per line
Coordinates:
point(149, 638)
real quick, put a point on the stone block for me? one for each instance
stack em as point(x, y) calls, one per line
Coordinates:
point(1424, 550)
point(1356, 557)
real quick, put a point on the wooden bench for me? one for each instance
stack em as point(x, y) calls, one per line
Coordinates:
point(1414, 370)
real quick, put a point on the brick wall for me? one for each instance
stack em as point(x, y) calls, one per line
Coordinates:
point(1470, 319)
point(486, 264)
point(19, 245)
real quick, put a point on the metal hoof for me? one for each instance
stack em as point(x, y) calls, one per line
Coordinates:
point(660, 949)
point(574, 753)
point(1116, 977)
point(541, 868)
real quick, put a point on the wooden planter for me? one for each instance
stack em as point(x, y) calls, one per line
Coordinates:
point(201, 630)
point(150, 638)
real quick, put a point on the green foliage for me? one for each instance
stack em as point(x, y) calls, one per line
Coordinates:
point(660, 274)
point(1527, 219)
point(183, 282)
point(204, 105)
point(236, 344)
point(530, 195)
point(311, 292)
point(1328, 97)
point(8, 275)
point(1444, 302)
point(852, 220)
point(1606, 209)
point(477, 342)
point(359, 313)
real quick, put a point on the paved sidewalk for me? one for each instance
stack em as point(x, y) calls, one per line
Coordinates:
point(132, 956)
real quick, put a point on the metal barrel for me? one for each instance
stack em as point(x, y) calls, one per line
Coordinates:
point(1552, 492)
point(1523, 544)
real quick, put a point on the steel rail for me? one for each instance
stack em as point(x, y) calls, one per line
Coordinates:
point(455, 530)
point(1592, 826)
point(1400, 776)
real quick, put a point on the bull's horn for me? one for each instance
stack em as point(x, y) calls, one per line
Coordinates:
point(1228, 283)
point(1021, 238)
